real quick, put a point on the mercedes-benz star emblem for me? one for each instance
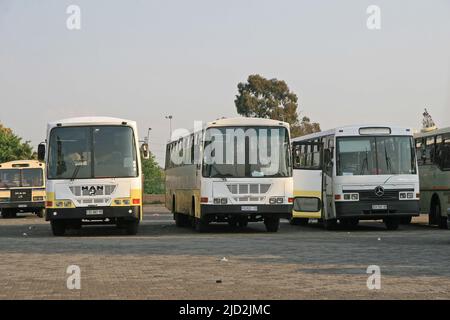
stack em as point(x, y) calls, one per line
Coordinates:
point(379, 191)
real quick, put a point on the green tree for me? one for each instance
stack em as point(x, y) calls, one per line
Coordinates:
point(153, 176)
point(271, 98)
point(12, 148)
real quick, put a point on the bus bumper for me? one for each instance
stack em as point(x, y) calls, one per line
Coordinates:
point(265, 210)
point(24, 206)
point(127, 213)
point(364, 211)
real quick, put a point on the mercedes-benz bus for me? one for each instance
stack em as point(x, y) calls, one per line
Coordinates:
point(22, 188)
point(356, 173)
point(94, 173)
point(230, 170)
point(433, 153)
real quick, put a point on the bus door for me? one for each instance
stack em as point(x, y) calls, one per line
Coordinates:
point(327, 184)
point(308, 179)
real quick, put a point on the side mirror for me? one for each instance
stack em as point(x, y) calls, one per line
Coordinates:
point(41, 152)
point(145, 151)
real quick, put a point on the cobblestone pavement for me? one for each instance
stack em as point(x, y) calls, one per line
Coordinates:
point(165, 262)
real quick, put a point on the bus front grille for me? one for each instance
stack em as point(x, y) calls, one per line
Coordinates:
point(248, 188)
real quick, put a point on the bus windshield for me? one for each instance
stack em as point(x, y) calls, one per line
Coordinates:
point(92, 152)
point(16, 178)
point(358, 156)
point(246, 152)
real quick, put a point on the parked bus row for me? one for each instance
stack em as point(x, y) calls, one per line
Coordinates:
point(234, 171)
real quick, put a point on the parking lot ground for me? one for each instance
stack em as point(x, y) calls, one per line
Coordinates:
point(166, 262)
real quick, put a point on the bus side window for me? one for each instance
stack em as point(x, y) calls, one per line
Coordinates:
point(445, 154)
point(429, 151)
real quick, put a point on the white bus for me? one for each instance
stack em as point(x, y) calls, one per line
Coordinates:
point(356, 173)
point(433, 153)
point(230, 170)
point(94, 173)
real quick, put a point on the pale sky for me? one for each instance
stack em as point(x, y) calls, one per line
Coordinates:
point(143, 60)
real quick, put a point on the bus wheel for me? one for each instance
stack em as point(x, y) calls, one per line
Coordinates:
point(233, 222)
point(132, 228)
point(5, 213)
point(40, 213)
point(330, 224)
point(299, 221)
point(350, 223)
point(200, 225)
point(405, 220)
point(181, 220)
point(392, 223)
point(438, 218)
point(272, 224)
point(243, 222)
point(58, 227)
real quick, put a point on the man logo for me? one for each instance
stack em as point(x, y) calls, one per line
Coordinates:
point(92, 190)
point(379, 191)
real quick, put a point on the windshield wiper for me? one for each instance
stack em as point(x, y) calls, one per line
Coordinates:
point(365, 163)
point(388, 160)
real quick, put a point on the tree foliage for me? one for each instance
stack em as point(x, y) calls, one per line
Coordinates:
point(271, 98)
point(12, 148)
point(153, 176)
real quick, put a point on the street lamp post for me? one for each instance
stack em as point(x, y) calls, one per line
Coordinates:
point(170, 117)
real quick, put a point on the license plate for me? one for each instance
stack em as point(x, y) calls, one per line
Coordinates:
point(95, 212)
point(22, 205)
point(249, 208)
point(379, 207)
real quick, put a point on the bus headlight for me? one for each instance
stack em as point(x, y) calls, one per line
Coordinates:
point(406, 195)
point(222, 201)
point(63, 204)
point(276, 200)
point(351, 196)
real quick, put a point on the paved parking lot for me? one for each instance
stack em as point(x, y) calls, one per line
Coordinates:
point(165, 262)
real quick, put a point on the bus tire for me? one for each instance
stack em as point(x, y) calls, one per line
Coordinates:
point(131, 228)
point(200, 225)
point(233, 222)
point(299, 221)
point(350, 223)
point(58, 227)
point(405, 220)
point(392, 223)
point(272, 224)
point(181, 220)
point(243, 223)
point(437, 214)
point(330, 224)
point(40, 213)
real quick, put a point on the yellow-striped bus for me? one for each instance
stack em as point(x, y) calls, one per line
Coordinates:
point(22, 188)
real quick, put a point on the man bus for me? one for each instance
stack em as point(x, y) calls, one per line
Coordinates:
point(433, 153)
point(355, 173)
point(22, 188)
point(94, 173)
point(230, 170)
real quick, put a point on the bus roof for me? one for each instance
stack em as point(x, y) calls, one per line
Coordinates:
point(246, 121)
point(432, 132)
point(82, 121)
point(355, 131)
point(235, 122)
point(20, 164)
